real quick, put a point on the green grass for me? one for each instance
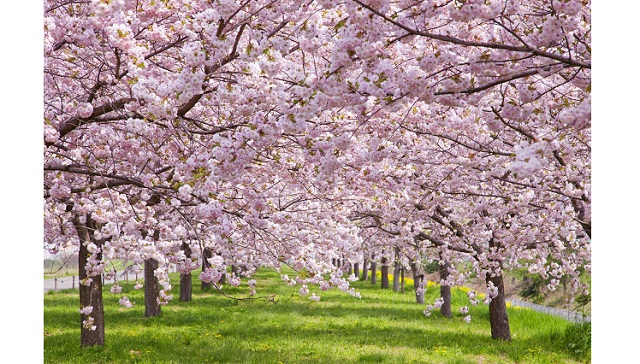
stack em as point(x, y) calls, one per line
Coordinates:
point(382, 327)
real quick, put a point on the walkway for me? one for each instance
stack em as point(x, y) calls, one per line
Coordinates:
point(566, 314)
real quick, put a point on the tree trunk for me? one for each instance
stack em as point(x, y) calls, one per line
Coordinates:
point(396, 270)
point(90, 295)
point(186, 286)
point(374, 270)
point(418, 282)
point(396, 277)
point(151, 289)
point(384, 273)
point(356, 269)
point(206, 254)
point(498, 317)
point(445, 291)
point(365, 270)
point(402, 280)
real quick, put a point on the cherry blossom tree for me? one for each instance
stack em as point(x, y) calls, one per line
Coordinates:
point(151, 129)
point(260, 133)
point(502, 92)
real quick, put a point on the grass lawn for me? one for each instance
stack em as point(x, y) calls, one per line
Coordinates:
point(381, 327)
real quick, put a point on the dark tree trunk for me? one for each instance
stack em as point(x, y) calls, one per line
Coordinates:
point(234, 271)
point(151, 289)
point(206, 254)
point(396, 270)
point(402, 280)
point(356, 269)
point(498, 317)
point(374, 270)
point(418, 282)
point(384, 273)
point(350, 269)
point(186, 286)
point(365, 270)
point(396, 277)
point(445, 291)
point(90, 295)
point(334, 262)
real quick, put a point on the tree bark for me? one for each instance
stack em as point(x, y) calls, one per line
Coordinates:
point(498, 317)
point(374, 270)
point(206, 254)
point(402, 280)
point(356, 269)
point(445, 291)
point(151, 289)
point(365, 270)
point(234, 271)
point(418, 282)
point(396, 277)
point(396, 270)
point(384, 273)
point(90, 295)
point(186, 286)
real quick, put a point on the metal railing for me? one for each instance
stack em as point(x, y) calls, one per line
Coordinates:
point(572, 316)
point(56, 284)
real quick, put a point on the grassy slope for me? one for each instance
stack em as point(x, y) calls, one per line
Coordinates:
point(513, 282)
point(383, 327)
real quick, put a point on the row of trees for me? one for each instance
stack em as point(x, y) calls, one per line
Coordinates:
point(222, 133)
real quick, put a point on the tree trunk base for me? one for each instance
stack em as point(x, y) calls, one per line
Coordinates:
point(92, 324)
point(445, 291)
point(186, 288)
point(384, 277)
point(374, 270)
point(151, 289)
point(498, 317)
